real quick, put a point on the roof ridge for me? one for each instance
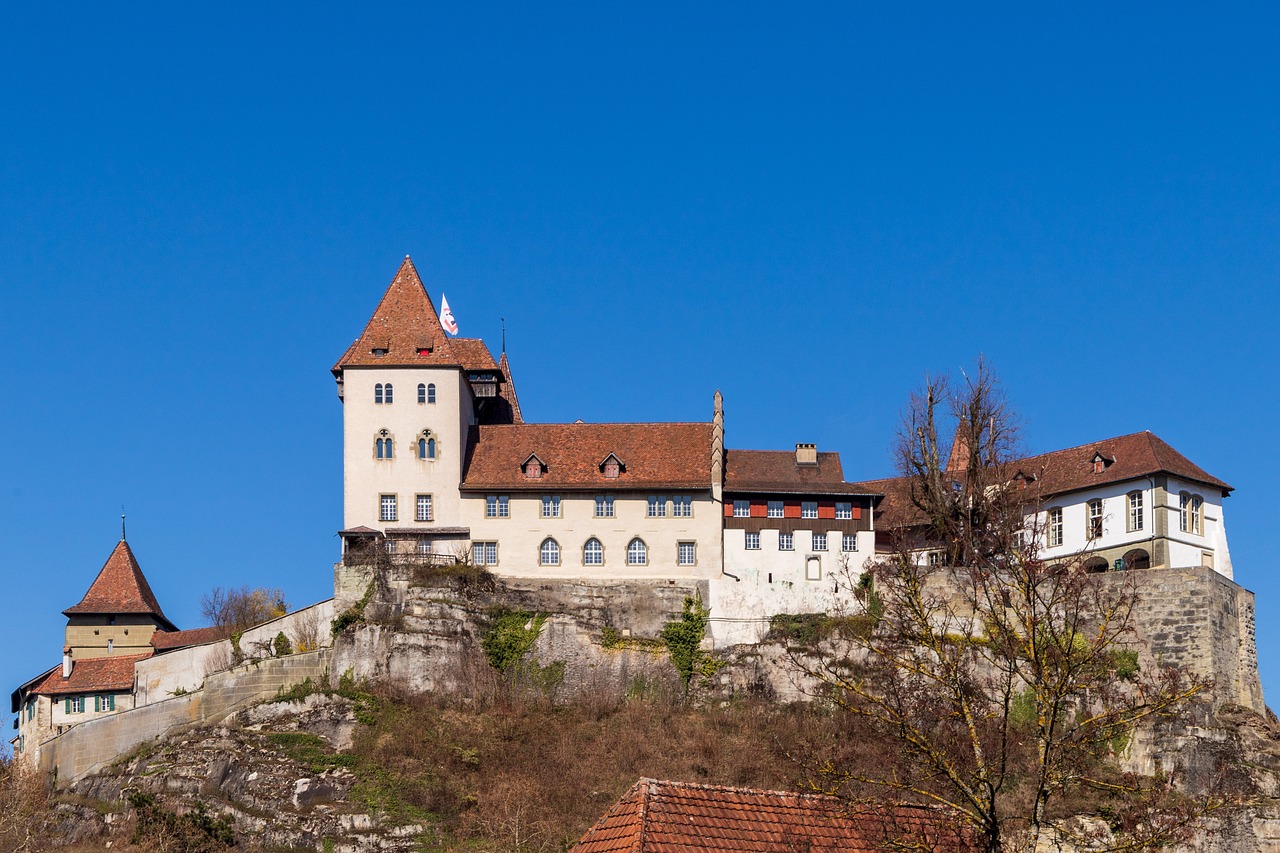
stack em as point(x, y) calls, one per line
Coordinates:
point(704, 786)
point(120, 587)
point(404, 318)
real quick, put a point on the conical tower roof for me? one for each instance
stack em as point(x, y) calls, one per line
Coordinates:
point(404, 330)
point(120, 588)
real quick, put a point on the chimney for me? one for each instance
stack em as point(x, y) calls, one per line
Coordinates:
point(66, 662)
point(806, 454)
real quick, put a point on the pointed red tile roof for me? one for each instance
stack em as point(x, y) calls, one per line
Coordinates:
point(508, 391)
point(405, 324)
point(665, 817)
point(121, 588)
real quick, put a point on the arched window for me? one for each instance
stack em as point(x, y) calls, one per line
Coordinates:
point(1095, 564)
point(593, 553)
point(377, 393)
point(385, 448)
point(1137, 559)
point(1197, 515)
point(426, 445)
point(637, 553)
point(431, 393)
point(431, 448)
point(422, 393)
point(386, 392)
point(549, 553)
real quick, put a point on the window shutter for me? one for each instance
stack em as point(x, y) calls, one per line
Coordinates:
point(97, 703)
point(68, 705)
point(826, 509)
point(758, 509)
point(728, 509)
point(791, 509)
point(857, 511)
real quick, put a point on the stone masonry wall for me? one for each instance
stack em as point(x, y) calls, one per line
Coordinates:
point(92, 745)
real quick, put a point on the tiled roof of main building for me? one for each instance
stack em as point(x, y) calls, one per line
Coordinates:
point(653, 456)
point(777, 471)
point(91, 675)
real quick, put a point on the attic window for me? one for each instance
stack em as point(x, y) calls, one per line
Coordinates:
point(424, 350)
point(533, 468)
point(379, 352)
point(611, 467)
point(1101, 462)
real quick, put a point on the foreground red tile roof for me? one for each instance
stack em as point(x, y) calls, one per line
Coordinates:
point(777, 471)
point(677, 817)
point(1126, 457)
point(654, 456)
point(91, 675)
point(406, 326)
point(163, 641)
point(120, 588)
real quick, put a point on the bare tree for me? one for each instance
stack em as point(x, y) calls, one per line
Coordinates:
point(238, 609)
point(24, 805)
point(996, 686)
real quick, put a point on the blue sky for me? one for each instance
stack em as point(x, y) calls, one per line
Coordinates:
point(809, 209)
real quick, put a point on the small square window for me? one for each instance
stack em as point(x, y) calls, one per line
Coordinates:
point(657, 506)
point(682, 506)
point(819, 541)
point(742, 509)
point(849, 542)
point(844, 509)
point(752, 541)
point(604, 506)
point(775, 509)
point(485, 553)
point(786, 541)
point(550, 506)
point(808, 509)
point(686, 553)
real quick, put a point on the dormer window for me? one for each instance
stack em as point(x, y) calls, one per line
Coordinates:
point(1100, 462)
point(379, 352)
point(612, 467)
point(424, 349)
point(533, 467)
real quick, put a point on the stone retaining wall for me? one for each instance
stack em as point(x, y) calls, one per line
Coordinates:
point(92, 745)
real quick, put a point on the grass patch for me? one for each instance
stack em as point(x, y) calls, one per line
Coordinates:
point(310, 750)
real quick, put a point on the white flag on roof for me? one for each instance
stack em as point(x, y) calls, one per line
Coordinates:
point(447, 322)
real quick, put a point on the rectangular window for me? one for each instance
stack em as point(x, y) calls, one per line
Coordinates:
point(550, 506)
point(31, 709)
point(657, 506)
point(935, 558)
point(75, 705)
point(491, 506)
point(1093, 519)
point(742, 509)
point(422, 508)
point(1055, 527)
point(753, 541)
point(387, 508)
point(786, 541)
point(604, 506)
point(1135, 511)
point(424, 546)
point(682, 506)
point(844, 510)
point(775, 509)
point(849, 542)
point(485, 553)
point(808, 509)
point(819, 541)
point(686, 553)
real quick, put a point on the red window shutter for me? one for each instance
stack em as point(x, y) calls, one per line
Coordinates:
point(758, 509)
point(857, 511)
point(826, 509)
point(728, 509)
point(791, 509)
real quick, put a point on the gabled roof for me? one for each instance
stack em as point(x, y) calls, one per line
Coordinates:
point(120, 588)
point(665, 817)
point(507, 393)
point(777, 471)
point(659, 456)
point(90, 676)
point(1059, 472)
point(405, 324)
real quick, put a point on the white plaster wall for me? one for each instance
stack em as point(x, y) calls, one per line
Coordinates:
point(520, 537)
point(365, 477)
point(769, 581)
point(1187, 549)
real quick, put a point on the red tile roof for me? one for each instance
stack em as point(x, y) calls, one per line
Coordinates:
point(1131, 457)
point(508, 392)
point(777, 471)
point(120, 588)
point(406, 325)
point(163, 641)
point(91, 675)
point(677, 817)
point(655, 456)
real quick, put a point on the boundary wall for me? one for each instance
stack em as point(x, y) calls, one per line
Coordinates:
point(93, 745)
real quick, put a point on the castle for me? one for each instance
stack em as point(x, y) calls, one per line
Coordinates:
point(439, 464)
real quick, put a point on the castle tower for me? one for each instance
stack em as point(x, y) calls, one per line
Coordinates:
point(118, 614)
point(410, 397)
